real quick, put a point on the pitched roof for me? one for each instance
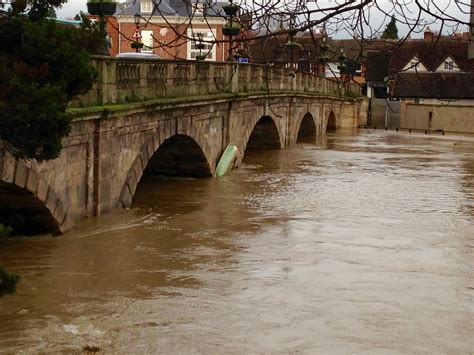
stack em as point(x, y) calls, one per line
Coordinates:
point(170, 8)
point(269, 49)
point(377, 65)
point(434, 85)
point(431, 54)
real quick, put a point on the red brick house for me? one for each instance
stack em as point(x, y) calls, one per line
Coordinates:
point(167, 28)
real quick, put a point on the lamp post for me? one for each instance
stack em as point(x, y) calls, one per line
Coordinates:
point(322, 58)
point(232, 29)
point(199, 44)
point(470, 54)
point(136, 19)
point(342, 59)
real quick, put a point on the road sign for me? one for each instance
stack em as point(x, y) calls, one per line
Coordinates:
point(137, 34)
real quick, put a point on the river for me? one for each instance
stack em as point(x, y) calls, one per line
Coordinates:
point(357, 242)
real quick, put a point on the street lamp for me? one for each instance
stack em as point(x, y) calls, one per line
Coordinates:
point(136, 19)
point(342, 59)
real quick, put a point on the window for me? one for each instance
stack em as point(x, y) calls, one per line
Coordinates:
point(198, 8)
point(449, 65)
point(209, 49)
point(147, 40)
point(146, 6)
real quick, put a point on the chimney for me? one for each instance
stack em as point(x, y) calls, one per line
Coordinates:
point(428, 34)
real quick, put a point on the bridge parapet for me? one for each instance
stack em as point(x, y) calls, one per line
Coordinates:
point(126, 80)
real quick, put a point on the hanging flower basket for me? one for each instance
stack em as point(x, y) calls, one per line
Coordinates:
point(324, 46)
point(323, 59)
point(101, 8)
point(200, 45)
point(136, 45)
point(293, 45)
point(241, 53)
point(201, 57)
point(231, 9)
point(292, 33)
point(231, 31)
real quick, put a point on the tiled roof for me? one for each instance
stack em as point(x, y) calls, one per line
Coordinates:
point(170, 8)
point(434, 85)
point(377, 65)
point(268, 49)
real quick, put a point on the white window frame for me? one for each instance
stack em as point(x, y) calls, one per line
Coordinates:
point(449, 65)
point(146, 7)
point(415, 64)
point(191, 51)
point(145, 48)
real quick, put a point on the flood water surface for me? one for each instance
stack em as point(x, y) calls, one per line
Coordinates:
point(361, 242)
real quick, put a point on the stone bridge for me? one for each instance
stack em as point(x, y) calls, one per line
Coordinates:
point(168, 118)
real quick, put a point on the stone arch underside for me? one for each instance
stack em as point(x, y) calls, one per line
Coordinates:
point(264, 135)
point(332, 123)
point(178, 155)
point(28, 204)
point(307, 127)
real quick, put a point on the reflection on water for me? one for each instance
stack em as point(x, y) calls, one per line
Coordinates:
point(355, 242)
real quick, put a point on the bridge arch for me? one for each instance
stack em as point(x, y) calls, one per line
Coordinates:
point(264, 133)
point(28, 204)
point(306, 127)
point(331, 122)
point(178, 155)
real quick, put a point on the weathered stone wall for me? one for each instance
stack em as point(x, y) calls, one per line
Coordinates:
point(126, 80)
point(109, 149)
point(449, 118)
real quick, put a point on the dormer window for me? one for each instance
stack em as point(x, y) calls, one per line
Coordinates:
point(198, 8)
point(146, 7)
point(449, 65)
point(414, 65)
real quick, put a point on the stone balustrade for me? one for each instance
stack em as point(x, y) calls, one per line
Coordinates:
point(127, 80)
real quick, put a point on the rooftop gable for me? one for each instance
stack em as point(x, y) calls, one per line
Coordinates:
point(414, 64)
point(448, 64)
point(431, 54)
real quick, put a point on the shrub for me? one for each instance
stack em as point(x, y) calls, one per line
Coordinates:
point(5, 231)
point(43, 66)
point(7, 281)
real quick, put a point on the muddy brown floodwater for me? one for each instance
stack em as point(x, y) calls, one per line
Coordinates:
point(360, 242)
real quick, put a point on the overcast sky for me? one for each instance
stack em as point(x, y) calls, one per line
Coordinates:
point(72, 7)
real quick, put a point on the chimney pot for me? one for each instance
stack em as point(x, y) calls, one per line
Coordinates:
point(428, 34)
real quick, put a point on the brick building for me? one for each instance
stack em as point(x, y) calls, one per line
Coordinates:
point(168, 27)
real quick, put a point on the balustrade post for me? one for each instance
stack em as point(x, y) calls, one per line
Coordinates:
point(107, 81)
point(192, 88)
point(235, 77)
point(210, 80)
point(169, 80)
point(143, 80)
